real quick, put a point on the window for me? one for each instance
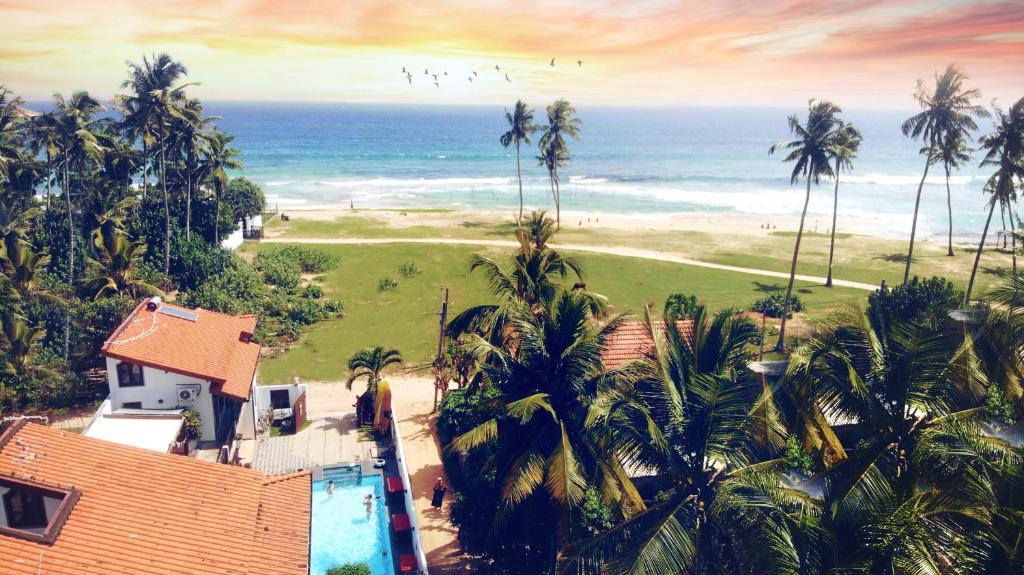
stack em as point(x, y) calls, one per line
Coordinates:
point(131, 405)
point(25, 509)
point(279, 399)
point(129, 375)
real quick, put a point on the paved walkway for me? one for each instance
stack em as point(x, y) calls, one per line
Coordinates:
point(610, 250)
point(327, 441)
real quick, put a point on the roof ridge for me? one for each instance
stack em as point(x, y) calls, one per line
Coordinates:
point(272, 479)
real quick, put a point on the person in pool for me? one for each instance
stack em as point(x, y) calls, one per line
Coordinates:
point(330, 487)
point(368, 502)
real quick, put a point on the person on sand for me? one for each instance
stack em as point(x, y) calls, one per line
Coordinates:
point(368, 502)
point(439, 490)
point(330, 487)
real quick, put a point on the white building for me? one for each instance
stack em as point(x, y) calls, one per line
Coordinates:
point(164, 359)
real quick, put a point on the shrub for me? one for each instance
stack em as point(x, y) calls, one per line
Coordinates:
point(306, 311)
point(409, 269)
point(310, 260)
point(194, 262)
point(278, 269)
point(772, 304)
point(334, 306)
point(239, 289)
point(914, 300)
point(312, 291)
point(192, 424)
point(681, 305)
point(350, 569)
point(386, 283)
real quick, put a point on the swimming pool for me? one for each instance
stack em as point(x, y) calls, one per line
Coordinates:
point(341, 531)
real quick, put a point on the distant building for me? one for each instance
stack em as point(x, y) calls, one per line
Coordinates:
point(73, 505)
point(164, 359)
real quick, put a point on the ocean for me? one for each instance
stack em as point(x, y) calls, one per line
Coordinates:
point(649, 161)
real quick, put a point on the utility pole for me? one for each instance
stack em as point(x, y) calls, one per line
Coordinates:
point(439, 370)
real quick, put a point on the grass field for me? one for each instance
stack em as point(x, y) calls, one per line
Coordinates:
point(857, 258)
point(405, 318)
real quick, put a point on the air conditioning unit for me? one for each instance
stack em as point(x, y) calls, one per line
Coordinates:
point(188, 392)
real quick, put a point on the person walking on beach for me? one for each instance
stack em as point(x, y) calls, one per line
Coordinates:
point(439, 491)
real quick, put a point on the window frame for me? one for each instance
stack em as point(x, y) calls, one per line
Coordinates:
point(131, 405)
point(130, 375)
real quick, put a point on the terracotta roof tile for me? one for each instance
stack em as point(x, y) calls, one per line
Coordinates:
point(143, 512)
point(210, 348)
point(630, 342)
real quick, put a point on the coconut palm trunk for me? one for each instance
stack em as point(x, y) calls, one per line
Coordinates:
point(913, 227)
point(949, 206)
point(167, 204)
point(832, 240)
point(519, 172)
point(145, 166)
point(558, 200)
point(71, 253)
point(188, 203)
point(792, 270)
point(49, 175)
point(977, 255)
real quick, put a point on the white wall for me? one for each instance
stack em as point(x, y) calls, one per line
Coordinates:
point(50, 503)
point(262, 394)
point(410, 504)
point(236, 239)
point(160, 391)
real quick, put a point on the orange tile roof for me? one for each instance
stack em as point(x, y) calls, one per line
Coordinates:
point(630, 342)
point(143, 512)
point(210, 348)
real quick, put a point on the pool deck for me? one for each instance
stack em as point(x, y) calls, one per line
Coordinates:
point(332, 439)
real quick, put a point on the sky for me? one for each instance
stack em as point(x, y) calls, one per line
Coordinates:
point(858, 53)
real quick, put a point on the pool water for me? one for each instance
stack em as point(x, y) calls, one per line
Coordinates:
point(341, 531)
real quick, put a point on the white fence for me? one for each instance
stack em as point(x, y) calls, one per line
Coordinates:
point(410, 506)
point(234, 240)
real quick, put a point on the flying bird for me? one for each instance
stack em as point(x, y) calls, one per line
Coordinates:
point(579, 63)
point(552, 61)
point(507, 79)
point(436, 85)
point(474, 72)
point(497, 67)
point(446, 72)
point(426, 72)
point(435, 77)
point(470, 78)
point(403, 70)
point(409, 78)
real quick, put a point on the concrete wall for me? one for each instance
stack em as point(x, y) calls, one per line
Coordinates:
point(262, 395)
point(234, 240)
point(410, 504)
point(50, 503)
point(160, 391)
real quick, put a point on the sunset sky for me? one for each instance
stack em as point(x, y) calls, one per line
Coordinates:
point(741, 52)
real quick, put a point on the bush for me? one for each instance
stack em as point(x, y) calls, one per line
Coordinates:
point(278, 269)
point(409, 269)
point(310, 260)
point(914, 300)
point(350, 569)
point(772, 304)
point(194, 262)
point(312, 291)
point(239, 289)
point(334, 306)
point(306, 311)
point(681, 305)
point(386, 283)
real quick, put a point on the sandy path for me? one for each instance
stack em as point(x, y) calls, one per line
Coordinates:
point(610, 250)
point(413, 399)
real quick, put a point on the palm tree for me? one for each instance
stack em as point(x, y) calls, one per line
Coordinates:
point(219, 157)
point(156, 100)
point(953, 153)
point(369, 363)
point(20, 342)
point(189, 138)
point(844, 149)
point(916, 490)
point(21, 264)
point(520, 122)
point(539, 229)
point(547, 452)
point(115, 271)
point(554, 149)
point(810, 152)
point(948, 111)
point(44, 137)
point(11, 121)
point(1004, 149)
point(687, 419)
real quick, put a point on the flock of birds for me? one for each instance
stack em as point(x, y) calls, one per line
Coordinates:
point(471, 77)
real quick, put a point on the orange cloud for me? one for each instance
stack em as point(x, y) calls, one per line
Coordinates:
point(646, 51)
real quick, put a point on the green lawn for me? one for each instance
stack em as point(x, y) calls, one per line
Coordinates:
point(857, 258)
point(405, 318)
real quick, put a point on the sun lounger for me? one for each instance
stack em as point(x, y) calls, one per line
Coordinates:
point(400, 522)
point(407, 563)
point(394, 483)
